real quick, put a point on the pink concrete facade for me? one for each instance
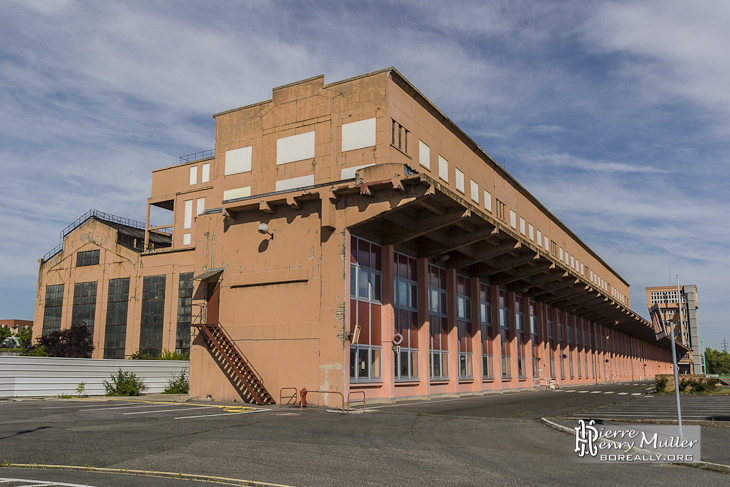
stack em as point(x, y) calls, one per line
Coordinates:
point(350, 237)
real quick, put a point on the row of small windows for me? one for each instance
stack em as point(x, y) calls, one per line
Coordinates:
point(365, 324)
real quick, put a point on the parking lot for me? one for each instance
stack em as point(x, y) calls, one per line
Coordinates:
point(494, 439)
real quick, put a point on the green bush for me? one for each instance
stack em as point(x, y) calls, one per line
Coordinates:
point(683, 385)
point(164, 355)
point(124, 384)
point(39, 351)
point(178, 384)
point(661, 384)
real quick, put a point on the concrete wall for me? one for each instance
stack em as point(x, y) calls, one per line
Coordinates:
point(52, 376)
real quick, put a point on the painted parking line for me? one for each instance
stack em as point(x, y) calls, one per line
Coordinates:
point(622, 393)
point(38, 483)
point(583, 392)
point(636, 394)
point(568, 390)
point(230, 413)
point(109, 408)
point(597, 392)
point(71, 406)
point(608, 392)
point(154, 411)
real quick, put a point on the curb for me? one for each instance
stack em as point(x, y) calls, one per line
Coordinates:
point(717, 467)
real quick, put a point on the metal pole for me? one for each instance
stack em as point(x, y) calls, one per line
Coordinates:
point(676, 375)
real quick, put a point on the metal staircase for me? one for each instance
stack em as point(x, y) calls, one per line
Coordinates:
point(234, 364)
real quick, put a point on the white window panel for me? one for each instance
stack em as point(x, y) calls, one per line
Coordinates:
point(531, 231)
point(567, 258)
point(201, 206)
point(560, 253)
point(522, 225)
point(547, 243)
point(358, 135)
point(238, 160)
point(474, 192)
point(188, 220)
point(572, 262)
point(233, 194)
point(295, 148)
point(186, 239)
point(487, 201)
point(293, 183)
point(443, 169)
point(349, 172)
point(513, 219)
point(424, 155)
point(582, 269)
point(459, 181)
point(205, 176)
point(193, 174)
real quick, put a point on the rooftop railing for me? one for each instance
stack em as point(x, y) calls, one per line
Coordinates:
point(206, 154)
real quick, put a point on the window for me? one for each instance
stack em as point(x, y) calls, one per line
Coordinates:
point(365, 310)
point(438, 317)
point(238, 161)
point(487, 201)
point(522, 226)
point(521, 338)
point(500, 210)
point(505, 334)
point(358, 135)
point(184, 312)
point(424, 155)
point(295, 148)
point(405, 301)
point(399, 138)
point(84, 305)
point(513, 219)
point(539, 239)
point(459, 181)
point(89, 257)
point(474, 193)
point(200, 206)
point(485, 322)
point(188, 217)
point(531, 232)
point(117, 306)
point(553, 247)
point(53, 308)
point(153, 315)
point(443, 169)
point(193, 174)
point(535, 346)
point(464, 327)
point(205, 177)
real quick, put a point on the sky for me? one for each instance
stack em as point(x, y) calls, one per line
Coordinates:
point(614, 114)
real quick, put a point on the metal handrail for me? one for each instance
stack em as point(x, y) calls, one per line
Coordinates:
point(107, 217)
point(197, 156)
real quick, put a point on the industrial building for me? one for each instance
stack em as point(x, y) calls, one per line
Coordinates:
point(348, 237)
point(679, 306)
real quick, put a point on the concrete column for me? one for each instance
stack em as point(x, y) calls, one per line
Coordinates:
point(424, 330)
point(388, 322)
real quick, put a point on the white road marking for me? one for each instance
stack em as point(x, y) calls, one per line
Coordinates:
point(41, 483)
point(608, 392)
point(166, 410)
point(636, 394)
point(597, 392)
point(126, 407)
point(583, 392)
point(622, 393)
point(223, 414)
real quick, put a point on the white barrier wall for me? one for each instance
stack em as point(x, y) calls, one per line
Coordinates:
point(52, 376)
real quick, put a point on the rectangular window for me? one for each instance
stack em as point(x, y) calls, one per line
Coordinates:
point(399, 138)
point(474, 193)
point(521, 338)
point(365, 310)
point(205, 177)
point(522, 226)
point(464, 329)
point(89, 257)
point(505, 334)
point(53, 308)
point(153, 315)
point(232, 194)
point(200, 206)
point(487, 201)
point(513, 219)
point(294, 183)
point(184, 312)
point(485, 323)
point(459, 181)
point(531, 232)
point(193, 174)
point(438, 317)
point(539, 239)
point(358, 135)
point(188, 216)
point(295, 148)
point(443, 169)
point(424, 155)
point(535, 347)
point(405, 299)
point(84, 305)
point(238, 161)
point(501, 210)
point(117, 305)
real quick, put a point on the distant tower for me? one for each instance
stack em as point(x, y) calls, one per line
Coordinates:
point(669, 300)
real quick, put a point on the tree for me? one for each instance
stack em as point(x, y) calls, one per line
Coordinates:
point(4, 333)
point(74, 342)
point(717, 362)
point(25, 337)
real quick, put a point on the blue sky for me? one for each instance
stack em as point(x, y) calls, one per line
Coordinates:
point(615, 114)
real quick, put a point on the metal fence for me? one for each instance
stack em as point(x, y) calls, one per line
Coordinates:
point(53, 376)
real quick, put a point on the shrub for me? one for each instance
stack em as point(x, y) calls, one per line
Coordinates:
point(661, 384)
point(178, 384)
point(124, 384)
point(39, 351)
point(683, 385)
point(164, 355)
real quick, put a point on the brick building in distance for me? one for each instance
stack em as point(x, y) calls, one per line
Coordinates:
point(350, 237)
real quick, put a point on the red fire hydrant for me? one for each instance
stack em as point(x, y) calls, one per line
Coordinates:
point(303, 396)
